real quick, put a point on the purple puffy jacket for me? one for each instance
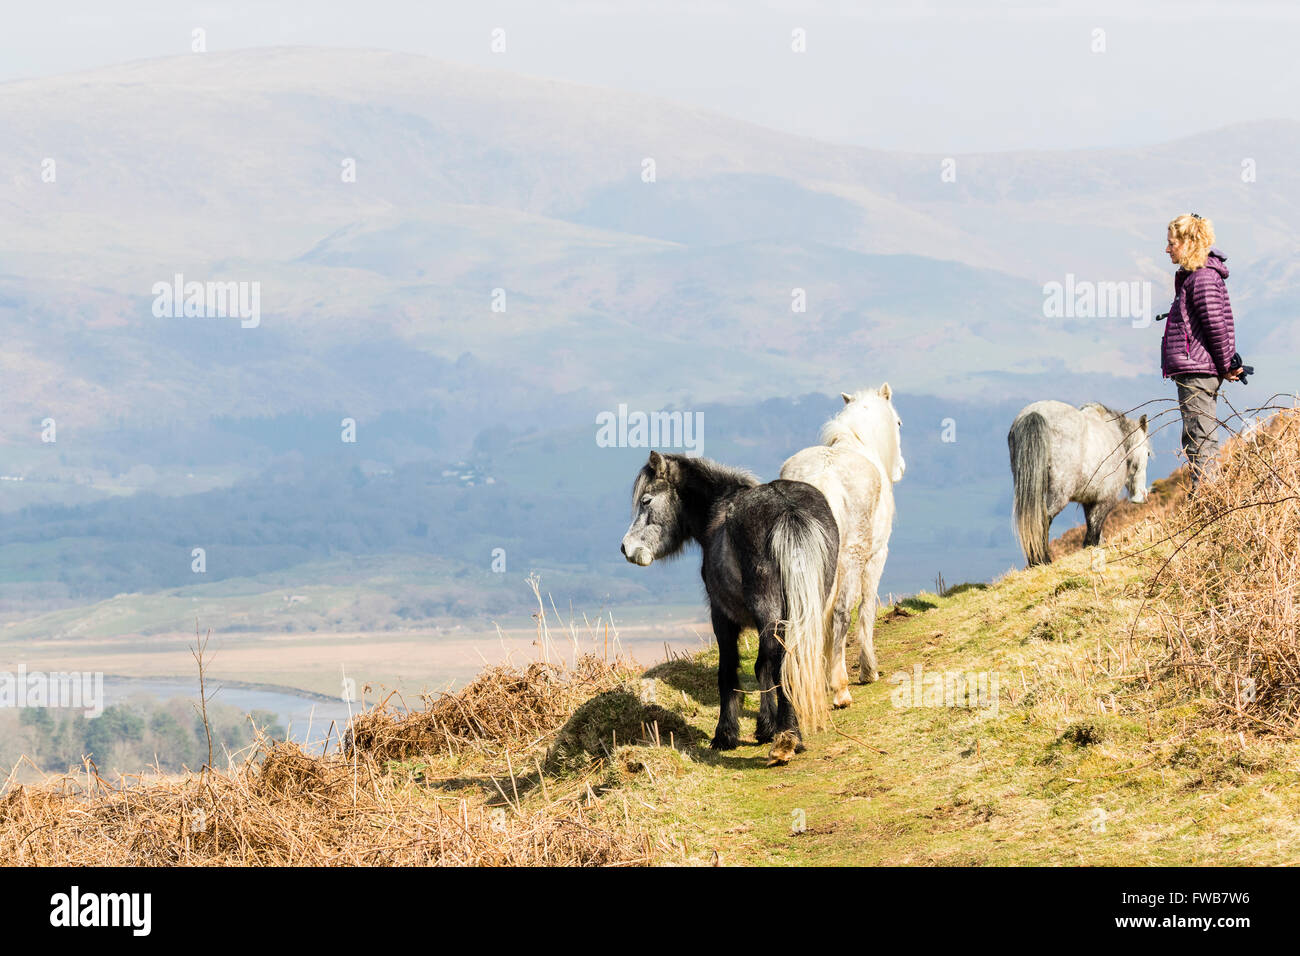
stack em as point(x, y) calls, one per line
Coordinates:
point(1199, 335)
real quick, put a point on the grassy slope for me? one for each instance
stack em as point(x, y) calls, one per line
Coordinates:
point(1096, 754)
point(1054, 778)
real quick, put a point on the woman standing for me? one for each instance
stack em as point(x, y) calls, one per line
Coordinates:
point(1199, 340)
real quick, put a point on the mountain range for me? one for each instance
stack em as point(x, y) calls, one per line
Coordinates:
point(467, 262)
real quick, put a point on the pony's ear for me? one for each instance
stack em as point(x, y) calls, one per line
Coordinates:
point(846, 396)
point(885, 391)
point(658, 465)
point(1142, 423)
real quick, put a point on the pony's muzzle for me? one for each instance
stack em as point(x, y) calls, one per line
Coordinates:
point(1138, 496)
point(637, 554)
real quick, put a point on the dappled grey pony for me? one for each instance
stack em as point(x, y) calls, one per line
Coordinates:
point(769, 563)
point(1060, 454)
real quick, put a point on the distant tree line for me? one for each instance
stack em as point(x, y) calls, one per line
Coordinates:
point(129, 736)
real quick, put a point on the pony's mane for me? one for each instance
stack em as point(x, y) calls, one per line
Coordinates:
point(1126, 424)
point(1127, 427)
point(716, 472)
point(851, 424)
point(1101, 409)
point(711, 472)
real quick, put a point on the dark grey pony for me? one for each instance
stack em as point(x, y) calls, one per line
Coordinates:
point(1060, 454)
point(770, 554)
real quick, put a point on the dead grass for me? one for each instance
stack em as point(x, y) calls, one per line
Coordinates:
point(502, 708)
point(450, 784)
point(291, 809)
point(1223, 588)
point(1227, 596)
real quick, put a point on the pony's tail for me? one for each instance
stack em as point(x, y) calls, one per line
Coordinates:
point(806, 556)
point(1029, 460)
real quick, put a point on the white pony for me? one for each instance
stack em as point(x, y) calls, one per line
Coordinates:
point(855, 468)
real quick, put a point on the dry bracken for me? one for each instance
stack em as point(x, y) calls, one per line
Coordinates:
point(282, 806)
point(1226, 598)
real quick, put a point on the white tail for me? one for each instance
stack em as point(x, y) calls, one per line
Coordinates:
point(802, 555)
point(1030, 454)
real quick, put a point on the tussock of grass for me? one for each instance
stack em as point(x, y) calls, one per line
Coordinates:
point(457, 783)
point(1227, 599)
point(290, 809)
point(503, 707)
point(597, 726)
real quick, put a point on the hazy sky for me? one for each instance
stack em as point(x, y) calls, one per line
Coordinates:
point(943, 76)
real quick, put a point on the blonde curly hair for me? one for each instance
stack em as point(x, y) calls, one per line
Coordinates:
point(1196, 233)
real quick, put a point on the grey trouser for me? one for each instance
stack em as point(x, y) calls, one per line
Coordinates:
point(1198, 400)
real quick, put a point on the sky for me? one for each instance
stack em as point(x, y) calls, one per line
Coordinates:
point(946, 77)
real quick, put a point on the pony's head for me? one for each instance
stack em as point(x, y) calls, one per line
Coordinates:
point(658, 528)
point(868, 418)
point(1137, 444)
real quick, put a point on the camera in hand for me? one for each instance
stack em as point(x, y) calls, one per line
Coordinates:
point(1237, 362)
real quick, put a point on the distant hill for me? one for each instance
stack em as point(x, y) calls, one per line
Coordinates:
point(376, 307)
point(376, 293)
point(295, 501)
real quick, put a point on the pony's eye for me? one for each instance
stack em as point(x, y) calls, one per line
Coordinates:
point(646, 500)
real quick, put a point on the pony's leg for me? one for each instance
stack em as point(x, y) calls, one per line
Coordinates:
point(766, 602)
point(767, 670)
point(846, 601)
point(766, 605)
point(767, 673)
point(1095, 515)
point(868, 666)
point(788, 740)
point(1090, 523)
point(727, 736)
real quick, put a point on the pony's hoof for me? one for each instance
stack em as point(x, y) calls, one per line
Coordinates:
point(843, 698)
point(867, 676)
point(786, 745)
point(723, 741)
point(764, 735)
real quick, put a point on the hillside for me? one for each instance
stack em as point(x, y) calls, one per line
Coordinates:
point(412, 543)
point(376, 293)
point(376, 300)
point(1106, 740)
